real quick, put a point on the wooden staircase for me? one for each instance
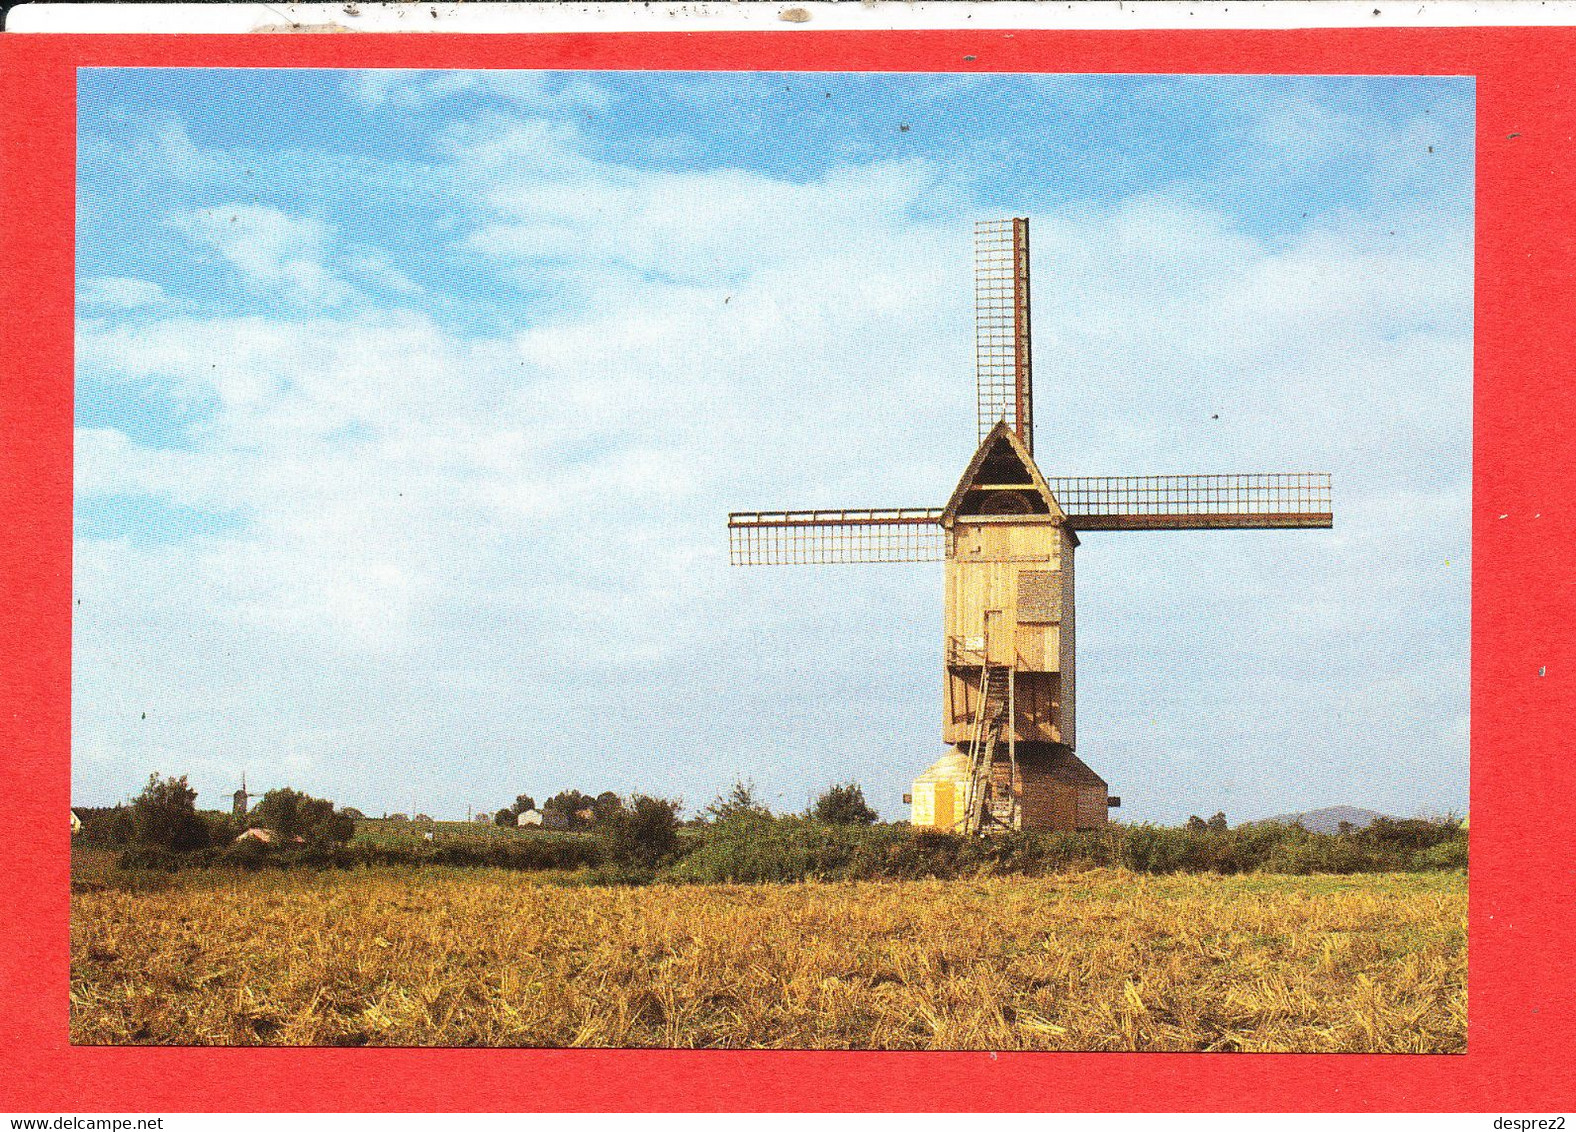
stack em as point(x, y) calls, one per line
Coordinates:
point(991, 803)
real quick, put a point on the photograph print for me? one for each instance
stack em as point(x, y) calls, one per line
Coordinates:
point(570, 558)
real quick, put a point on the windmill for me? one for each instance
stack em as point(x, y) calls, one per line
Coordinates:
point(1007, 535)
point(240, 801)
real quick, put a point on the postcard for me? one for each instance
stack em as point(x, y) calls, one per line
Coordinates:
point(1024, 547)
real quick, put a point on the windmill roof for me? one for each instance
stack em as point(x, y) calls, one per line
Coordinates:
point(1002, 434)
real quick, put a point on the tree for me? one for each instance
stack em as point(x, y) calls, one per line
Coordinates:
point(738, 802)
point(524, 802)
point(165, 815)
point(645, 832)
point(570, 804)
point(354, 814)
point(223, 828)
point(607, 806)
point(506, 817)
point(290, 814)
point(1196, 824)
point(1217, 824)
point(844, 805)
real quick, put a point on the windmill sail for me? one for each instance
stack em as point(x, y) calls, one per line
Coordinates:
point(789, 538)
point(1001, 328)
point(1279, 500)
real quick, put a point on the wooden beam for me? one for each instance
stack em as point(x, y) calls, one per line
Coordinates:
point(1250, 521)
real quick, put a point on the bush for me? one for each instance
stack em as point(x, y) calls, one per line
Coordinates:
point(1150, 849)
point(569, 805)
point(222, 828)
point(1321, 853)
point(164, 816)
point(607, 806)
point(646, 833)
point(250, 854)
point(157, 859)
point(526, 854)
point(1446, 855)
point(106, 827)
point(749, 847)
point(291, 814)
point(738, 802)
point(844, 805)
point(1407, 834)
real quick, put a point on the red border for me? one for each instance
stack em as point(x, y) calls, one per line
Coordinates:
point(1523, 1011)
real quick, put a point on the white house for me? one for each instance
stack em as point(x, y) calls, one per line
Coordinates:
point(529, 817)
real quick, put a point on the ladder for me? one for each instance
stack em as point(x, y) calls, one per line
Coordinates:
point(986, 805)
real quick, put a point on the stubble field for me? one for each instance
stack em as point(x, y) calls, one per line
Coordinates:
point(1101, 960)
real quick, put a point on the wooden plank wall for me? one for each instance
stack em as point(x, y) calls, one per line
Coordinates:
point(1069, 676)
point(985, 573)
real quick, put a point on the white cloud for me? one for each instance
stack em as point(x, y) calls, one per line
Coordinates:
point(373, 267)
point(271, 248)
point(119, 292)
point(1304, 129)
point(413, 90)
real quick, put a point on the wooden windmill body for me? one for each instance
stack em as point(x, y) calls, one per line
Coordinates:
point(1008, 536)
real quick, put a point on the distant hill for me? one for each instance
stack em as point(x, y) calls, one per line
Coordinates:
point(1327, 820)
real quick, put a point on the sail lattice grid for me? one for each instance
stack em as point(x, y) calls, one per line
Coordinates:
point(1092, 503)
point(787, 538)
point(1195, 502)
point(1001, 343)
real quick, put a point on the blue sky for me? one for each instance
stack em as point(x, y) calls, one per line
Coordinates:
point(410, 407)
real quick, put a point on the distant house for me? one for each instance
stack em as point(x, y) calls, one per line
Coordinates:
point(529, 817)
point(266, 836)
point(587, 814)
point(76, 822)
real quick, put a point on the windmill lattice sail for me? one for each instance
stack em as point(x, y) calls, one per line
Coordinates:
point(791, 538)
point(1279, 500)
point(1002, 360)
point(1283, 500)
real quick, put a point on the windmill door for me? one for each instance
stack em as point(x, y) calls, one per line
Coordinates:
point(943, 817)
point(1000, 645)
